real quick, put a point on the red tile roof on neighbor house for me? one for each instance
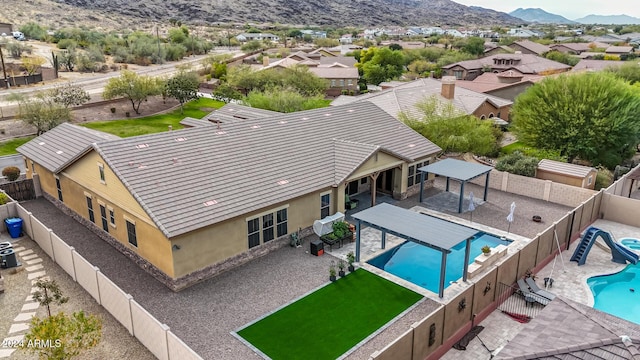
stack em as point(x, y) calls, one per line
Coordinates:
point(533, 46)
point(524, 63)
point(489, 81)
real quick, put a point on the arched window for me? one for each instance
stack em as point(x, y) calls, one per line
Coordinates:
point(482, 117)
point(490, 115)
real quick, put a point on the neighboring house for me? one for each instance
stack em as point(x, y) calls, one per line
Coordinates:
point(506, 85)
point(6, 28)
point(188, 204)
point(346, 39)
point(454, 33)
point(502, 49)
point(339, 71)
point(578, 48)
point(403, 97)
point(596, 65)
point(522, 33)
point(257, 36)
point(564, 173)
point(619, 50)
point(315, 34)
point(529, 47)
point(523, 63)
point(435, 30)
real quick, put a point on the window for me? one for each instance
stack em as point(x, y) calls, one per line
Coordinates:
point(101, 169)
point(33, 167)
point(341, 82)
point(325, 203)
point(349, 82)
point(414, 174)
point(267, 228)
point(333, 83)
point(103, 216)
point(26, 164)
point(253, 232)
point(590, 180)
point(458, 74)
point(363, 181)
point(281, 222)
point(90, 209)
point(59, 189)
point(131, 233)
point(112, 217)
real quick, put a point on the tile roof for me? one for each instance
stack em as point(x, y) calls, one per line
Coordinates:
point(491, 81)
point(64, 143)
point(405, 97)
point(596, 65)
point(569, 330)
point(533, 46)
point(344, 60)
point(619, 49)
point(558, 167)
point(233, 113)
point(335, 72)
point(528, 64)
point(191, 178)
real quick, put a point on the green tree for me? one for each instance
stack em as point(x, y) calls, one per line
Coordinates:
point(519, 164)
point(250, 46)
point(284, 100)
point(183, 87)
point(592, 116)
point(43, 113)
point(65, 336)
point(176, 35)
point(68, 59)
point(474, 46)
point(562, 58)
point(303, 81)
point(380, 64)
point(69, 95)
point(629, 71)
point(33, 31)
point(32, 64)
point(48, 292)
point(131, 86)
point(453, 130)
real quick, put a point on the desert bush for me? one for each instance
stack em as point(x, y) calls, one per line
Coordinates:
point(12, 173)
point(519, 164)
point(4, 198)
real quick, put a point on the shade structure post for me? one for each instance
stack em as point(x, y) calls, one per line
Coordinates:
point(467, 254)
point(461, 197)
point(447, 188)
point(486, 186)
point(358, 241)
point(421, 185)
point(443, 272)
point(384, 238)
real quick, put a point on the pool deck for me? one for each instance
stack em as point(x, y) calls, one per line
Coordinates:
point(570, 282)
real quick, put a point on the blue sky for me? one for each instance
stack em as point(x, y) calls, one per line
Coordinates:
point(571, 9)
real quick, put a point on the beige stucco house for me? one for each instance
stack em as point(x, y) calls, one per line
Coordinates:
point(187, 204)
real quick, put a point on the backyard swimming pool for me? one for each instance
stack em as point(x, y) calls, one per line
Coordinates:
point(633, 244)
point(618, 294)
point(420, 264)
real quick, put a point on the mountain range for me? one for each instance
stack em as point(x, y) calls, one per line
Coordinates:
point(540, 16)
point(294, 12)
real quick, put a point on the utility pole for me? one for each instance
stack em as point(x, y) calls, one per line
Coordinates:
point(158, 38)
point(4, 70)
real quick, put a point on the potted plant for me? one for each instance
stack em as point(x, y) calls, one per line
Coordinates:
point(332, 271)
point(341, 266)
point(350, 260)
point(486, 250)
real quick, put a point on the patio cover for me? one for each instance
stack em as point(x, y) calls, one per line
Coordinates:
point(459, 170)
point(435, 233)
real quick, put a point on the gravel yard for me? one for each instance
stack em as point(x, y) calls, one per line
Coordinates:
point(116, 341)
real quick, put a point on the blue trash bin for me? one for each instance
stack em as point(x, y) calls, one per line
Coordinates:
point(14, 226)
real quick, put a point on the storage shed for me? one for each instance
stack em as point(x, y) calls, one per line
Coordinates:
point(564, 173)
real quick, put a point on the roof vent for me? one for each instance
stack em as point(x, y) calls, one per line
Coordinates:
point(350, 110)
point(220, 132)
point(305, 118)
point(142, 146)
point(283, 182)
point(411, 145)
point(59, 152)
point(282, 122)
point(41, 143)
point(142, 166)
point(255, 127)
point(210, 203)
point(181, 139)
point(327, 114)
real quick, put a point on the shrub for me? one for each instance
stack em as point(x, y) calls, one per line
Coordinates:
point(3, 198)
point(519, 164)
point(340, 229)
point(604, 178)
point(12, 173)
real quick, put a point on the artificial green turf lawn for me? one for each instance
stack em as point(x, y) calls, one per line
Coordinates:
point(9, 147)
point(328, 322)
point(156, 123)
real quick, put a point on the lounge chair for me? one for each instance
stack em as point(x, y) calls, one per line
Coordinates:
point(534, 287)
point(526, 292)
point(350, 204)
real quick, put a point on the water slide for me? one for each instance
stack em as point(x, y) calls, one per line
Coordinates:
point(621, 254)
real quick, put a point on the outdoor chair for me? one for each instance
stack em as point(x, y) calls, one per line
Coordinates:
point(350, 204)
point(534, 287)
point(528, 295)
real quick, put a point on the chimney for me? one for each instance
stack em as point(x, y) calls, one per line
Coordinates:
point(448, 87)
point(265, 61)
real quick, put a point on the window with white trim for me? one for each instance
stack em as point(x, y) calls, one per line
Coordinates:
point(267, 228)
point(112, 217)
point(59, 188)
point(103, 217)
point(90, 209)
point(101, 170)
point(414, 174)
point(253, 232)
point(131, 233)
point(281, 222)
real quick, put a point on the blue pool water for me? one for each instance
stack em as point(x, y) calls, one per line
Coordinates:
point(421, 265)
point(613, 295)
point(631, 243)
